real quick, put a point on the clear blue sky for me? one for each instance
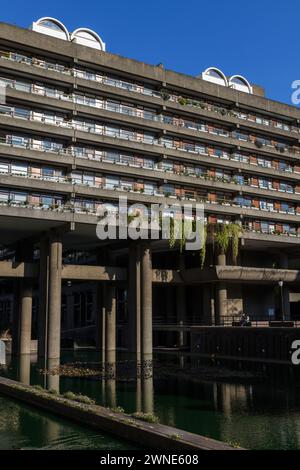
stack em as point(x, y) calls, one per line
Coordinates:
point(258, 39)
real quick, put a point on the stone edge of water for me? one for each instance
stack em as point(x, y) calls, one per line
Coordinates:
point(121, 425)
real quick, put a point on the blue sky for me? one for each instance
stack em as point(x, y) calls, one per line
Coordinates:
point(258, 39)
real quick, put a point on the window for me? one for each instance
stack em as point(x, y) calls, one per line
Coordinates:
point(149, 188)
point(46, 200)
point(22, 113)
point(113, 106)
point(89, 179)
point(4, 167)
point(19, 169)
point(111, 183)
point(47, 172)
point(23, 86)
point(4, 196)
point(16, 140)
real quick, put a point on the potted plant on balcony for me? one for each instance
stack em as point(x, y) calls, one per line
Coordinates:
point(165, 96)
point(258, 143)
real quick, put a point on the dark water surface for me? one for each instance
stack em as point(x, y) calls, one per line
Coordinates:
point(252, 414)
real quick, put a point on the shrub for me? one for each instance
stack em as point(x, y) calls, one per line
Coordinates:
point(39, 388)
point(69, 395)
point(117, 409)
point(79, 398)
point(148, 417)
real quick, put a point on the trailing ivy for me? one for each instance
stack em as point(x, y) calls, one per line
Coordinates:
point(222, 236)
point(235, 230)
point(172, 239)
point(203, 249)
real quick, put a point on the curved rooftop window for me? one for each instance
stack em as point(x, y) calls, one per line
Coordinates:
point(83, 36)
point(214, 75)
point(240, 83)
point(51, 27)
point(87, 37)
point(50, 24)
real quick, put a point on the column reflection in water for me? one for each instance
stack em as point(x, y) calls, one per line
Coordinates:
point(52, 382)
point(138, 395)
point(110, 393)
point(24, 369)
point(110, 378)
point(147, 395)
point(2, 353)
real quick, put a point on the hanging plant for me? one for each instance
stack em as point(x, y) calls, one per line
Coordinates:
point(172, 240)
point(203, 249)
point(235, 231)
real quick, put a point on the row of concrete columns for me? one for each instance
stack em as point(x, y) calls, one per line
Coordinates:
point(140, 303)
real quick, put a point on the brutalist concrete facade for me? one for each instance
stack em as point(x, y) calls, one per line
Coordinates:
point(81, 126)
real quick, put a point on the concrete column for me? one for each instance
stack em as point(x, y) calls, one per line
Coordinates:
point(169, 314)
point(110, 330)
point(146, 308)
point(221, 259)
point(100, 318)
point(147, 395)
point(25, 317)
point(206, 305)
point(43, 298)
point(16, 318)
point(134, 302)
point(221, 293)
point(110, 393)
point(54, 305)
point(24, 369)
point(221, 301)
point(181, 313)
point(181, 305)
point(53, 380)
point(284, 264)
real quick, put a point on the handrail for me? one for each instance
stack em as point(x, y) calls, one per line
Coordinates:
point(119, 83)
point(150, 115)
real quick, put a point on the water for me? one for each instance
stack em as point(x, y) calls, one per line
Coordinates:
point(250, 413)
point(23, 427)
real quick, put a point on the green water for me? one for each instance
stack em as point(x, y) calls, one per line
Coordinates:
point(23, 427)
point(255, 415)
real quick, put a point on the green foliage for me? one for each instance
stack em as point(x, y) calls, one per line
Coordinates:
point(165, 96)
point(79, 398)
point(236, 230)
point(69, 395)
point(172, 240)
point(222, 237)
point(131, 217)
point(39, 388)
point(117, 409)
point(183, 101)
point(148, 417)
point(203, 249)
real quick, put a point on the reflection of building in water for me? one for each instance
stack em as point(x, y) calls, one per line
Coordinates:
point(24, 368)
point(147, 395)
point(110, 393)
point(231, 397)
point(53, 379)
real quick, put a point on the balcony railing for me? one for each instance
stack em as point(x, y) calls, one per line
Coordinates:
point(128, 161)
point(91, 209)
point(126, 187)
point(141, 89)
point(148, 115)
